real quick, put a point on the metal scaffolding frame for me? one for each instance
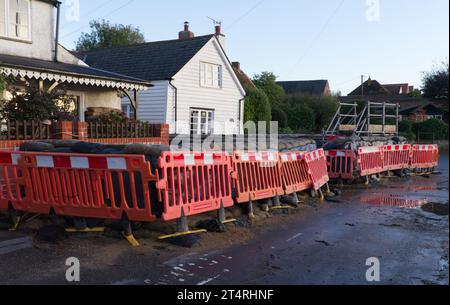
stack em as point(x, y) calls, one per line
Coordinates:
point(375, 119)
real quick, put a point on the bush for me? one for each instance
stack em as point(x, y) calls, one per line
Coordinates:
point(301, 118)
point(433, 129)
point(406, 130)
point(257, 106)
point(32, 104)
point(280, 116)
point(323, 109)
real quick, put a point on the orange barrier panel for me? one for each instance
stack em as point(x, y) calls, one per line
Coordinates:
point(194, 183)
point(11, 182)
point(396, 157)
point(424, 156)
point(295, 173)
point(370, 160)
point(91, 186)
point(257, 176)
point(318, 170)
point(341, 164)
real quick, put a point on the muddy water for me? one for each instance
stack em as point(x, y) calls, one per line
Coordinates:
point(402, 222)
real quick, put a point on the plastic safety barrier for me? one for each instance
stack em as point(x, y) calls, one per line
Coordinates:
point(93, 186)
point(341, 164)
point(11, 182)
point(424, 156)
point(396, 157)
point(194, 183)
point(370, 160)
point(295, 172)
point(257, 176)
point(318, 169)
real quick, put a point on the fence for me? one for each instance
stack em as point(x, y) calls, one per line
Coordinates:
point(119, 130)
point(14, 133)
point(25, 130)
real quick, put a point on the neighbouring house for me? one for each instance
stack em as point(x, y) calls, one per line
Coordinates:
point(244, 79)
point(30, 52)
point(411, 107)
point(423, 112)
point(307, 87)
point(195, 90)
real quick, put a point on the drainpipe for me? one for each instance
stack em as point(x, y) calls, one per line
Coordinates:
point(240, 114)
point(176, 104)
point(58, 14)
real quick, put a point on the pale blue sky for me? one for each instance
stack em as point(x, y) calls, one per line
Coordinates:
point(296, 39)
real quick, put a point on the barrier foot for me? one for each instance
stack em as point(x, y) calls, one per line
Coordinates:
point(367, 181)
point(251, 211)
point(328, 188)
point(222, 217)
point(86, 230)
point(182, 234)
point(321, 195)
point(298, 201)
point(15, 220)
point(127, 233)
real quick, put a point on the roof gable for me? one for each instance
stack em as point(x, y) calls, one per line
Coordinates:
point(152, 61)
point(371, 87)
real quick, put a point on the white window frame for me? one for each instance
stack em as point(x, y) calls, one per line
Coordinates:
point(7, 23)
point(209, 125)
point(208, 78)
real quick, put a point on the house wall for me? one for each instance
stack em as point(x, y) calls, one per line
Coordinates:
point(152, 103)
point(224, 101)
point(42, 35)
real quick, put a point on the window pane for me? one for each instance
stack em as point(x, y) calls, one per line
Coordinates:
point(18, 19)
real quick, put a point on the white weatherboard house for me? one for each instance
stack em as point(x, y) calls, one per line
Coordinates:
point(30, 52)
point(195, 88)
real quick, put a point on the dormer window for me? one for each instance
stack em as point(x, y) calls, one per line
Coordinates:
point(15, 19)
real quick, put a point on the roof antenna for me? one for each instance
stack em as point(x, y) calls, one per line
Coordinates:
point(215, 22)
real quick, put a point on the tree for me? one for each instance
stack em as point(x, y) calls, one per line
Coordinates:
point(3, 83)
point(435, 83)
point(257, 106)
point(33, 105)
point(104, 35)
point(267, 82)
point(323, 108)
point(301, 118)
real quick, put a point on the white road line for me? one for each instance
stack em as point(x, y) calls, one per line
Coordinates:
point(294, 237)
point(208, 281)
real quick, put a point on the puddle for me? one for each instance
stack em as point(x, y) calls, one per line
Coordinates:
point(439, 209)
point(397, 201)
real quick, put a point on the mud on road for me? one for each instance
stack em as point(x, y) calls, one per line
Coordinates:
point(402, 222)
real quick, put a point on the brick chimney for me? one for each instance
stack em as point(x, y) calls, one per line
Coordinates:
point(236, 65)
point(220, 36)
point(186, 34)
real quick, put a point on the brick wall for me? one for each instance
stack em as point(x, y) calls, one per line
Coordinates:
point(69, 131)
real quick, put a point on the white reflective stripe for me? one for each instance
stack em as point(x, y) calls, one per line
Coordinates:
point(245, 157)
point(79, 162)
point(15, 159)
point(117, 163)
point(369, 150)
point(340, 154)
point(208, 159)
point(293, 156)
point(258, 157)
point(285, 158)
point(271, 156)
point(189, 160)
point(45, 162)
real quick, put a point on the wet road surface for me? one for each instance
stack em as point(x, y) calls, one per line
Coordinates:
point(323, 243)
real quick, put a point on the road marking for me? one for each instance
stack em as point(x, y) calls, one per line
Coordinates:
point(294, 237)
point(208, 281)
